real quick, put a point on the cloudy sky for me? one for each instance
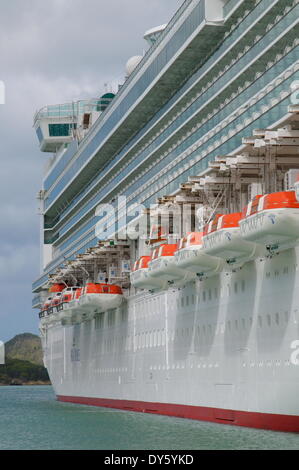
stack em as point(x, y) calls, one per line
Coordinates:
point(52, 51)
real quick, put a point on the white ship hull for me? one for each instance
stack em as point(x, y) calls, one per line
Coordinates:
point(221, 349)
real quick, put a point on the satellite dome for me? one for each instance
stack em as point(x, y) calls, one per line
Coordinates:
point(132, 64)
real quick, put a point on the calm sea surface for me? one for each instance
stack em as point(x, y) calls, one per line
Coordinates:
point(31, 418)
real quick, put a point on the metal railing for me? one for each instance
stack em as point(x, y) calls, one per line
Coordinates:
point(67, 110)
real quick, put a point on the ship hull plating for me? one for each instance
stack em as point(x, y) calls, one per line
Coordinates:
point(222, 349)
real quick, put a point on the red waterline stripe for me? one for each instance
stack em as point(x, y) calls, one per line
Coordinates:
point(274, 422)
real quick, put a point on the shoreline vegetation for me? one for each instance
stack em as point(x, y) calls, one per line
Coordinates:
point(24, 362)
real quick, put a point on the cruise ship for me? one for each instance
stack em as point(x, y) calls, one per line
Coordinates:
point(170, 224)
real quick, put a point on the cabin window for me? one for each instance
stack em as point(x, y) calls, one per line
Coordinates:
point(269, 320)
point(61, 130)
point(243, 285)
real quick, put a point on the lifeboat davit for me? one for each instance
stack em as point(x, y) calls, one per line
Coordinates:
point(192, 257)
point(272, 220)
point(163, 264)
point(140, 277)
point(222, 238)
point(96, 298)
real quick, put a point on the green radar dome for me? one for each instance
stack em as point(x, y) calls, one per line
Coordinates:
point(104, 101)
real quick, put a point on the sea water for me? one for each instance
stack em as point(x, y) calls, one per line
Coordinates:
point(31, 418)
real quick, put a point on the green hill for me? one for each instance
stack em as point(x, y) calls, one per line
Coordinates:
point(23, 362)
point(26, 347)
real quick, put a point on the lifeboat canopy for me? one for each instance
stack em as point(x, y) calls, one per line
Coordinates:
point(192, 257)
point(56, 288)
point(163, 264)
point(140, 277)
point(99, 297)
point(272, 220)
point(223, 239)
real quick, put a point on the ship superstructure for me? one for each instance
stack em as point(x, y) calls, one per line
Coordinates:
point(170, 224)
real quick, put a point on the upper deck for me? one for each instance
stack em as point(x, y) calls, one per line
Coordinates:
point(205, 83)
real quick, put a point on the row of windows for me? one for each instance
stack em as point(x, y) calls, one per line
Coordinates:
point(61, 130)
point(210, 365)
point(157, 337)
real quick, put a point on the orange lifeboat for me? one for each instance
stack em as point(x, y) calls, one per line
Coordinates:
point(272, 220)
point(140, 277)
point(163, 264)
point(56, 288)
point(97, 297)
point(192, 257)
point(222, 238)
